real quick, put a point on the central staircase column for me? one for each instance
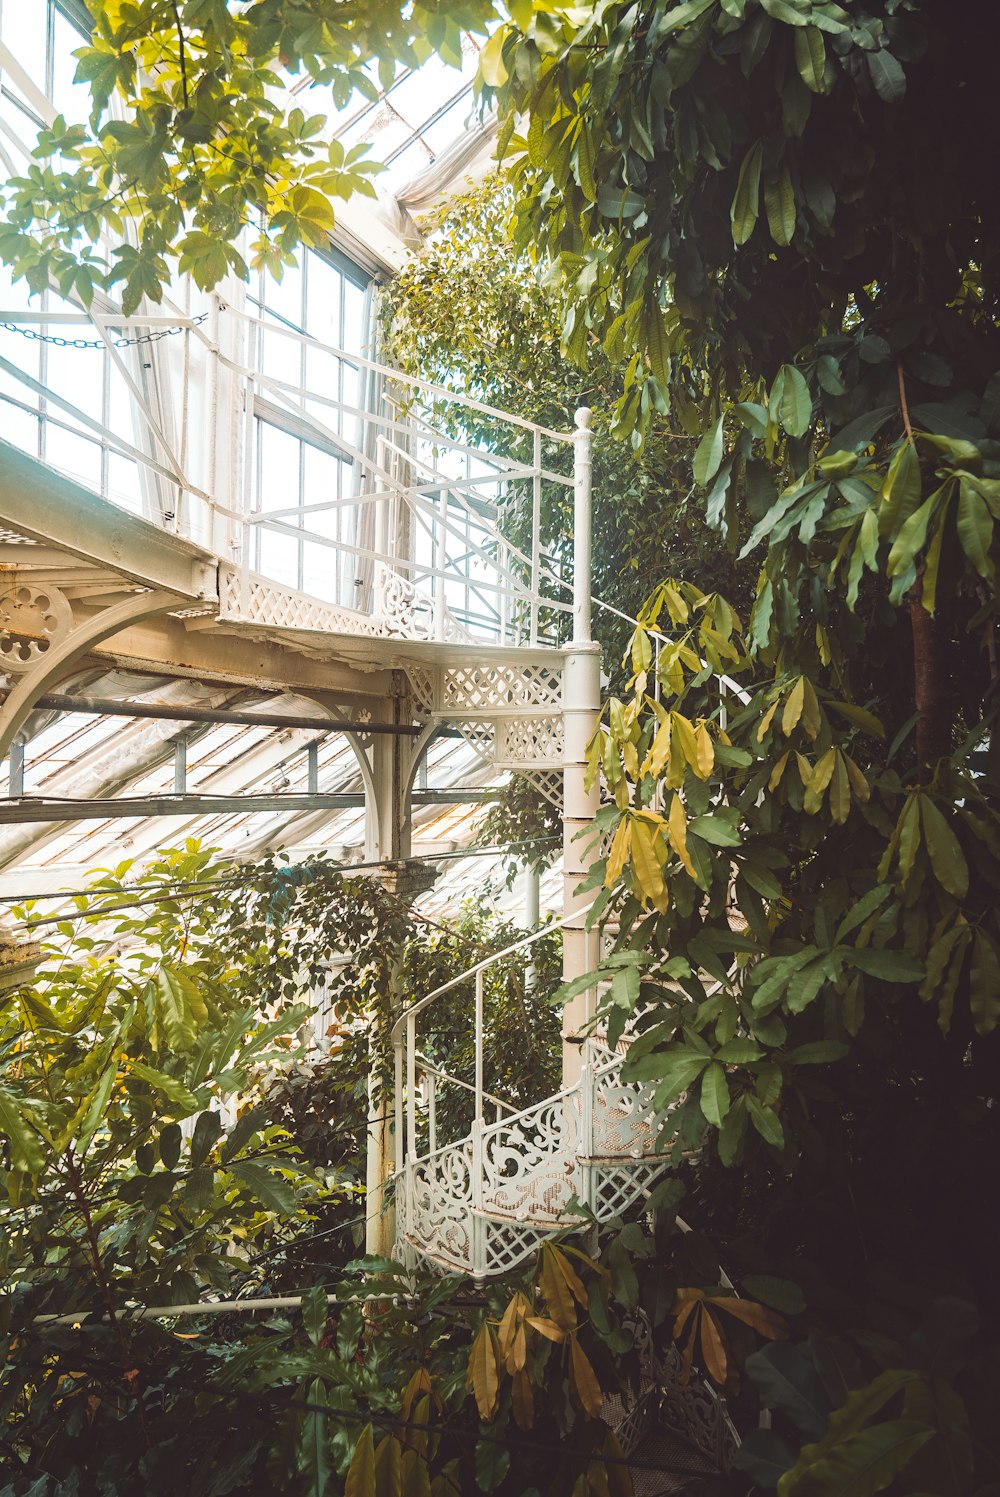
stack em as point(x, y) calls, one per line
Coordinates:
point(581, 710)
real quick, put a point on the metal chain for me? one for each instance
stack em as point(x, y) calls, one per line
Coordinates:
point(36, 337)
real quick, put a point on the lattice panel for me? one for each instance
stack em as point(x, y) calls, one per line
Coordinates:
point(422, 689)
point(509, 1244)
point(275, 606)
point(616, 1187)
point(485, 688)
point(529, 741)
point(481, 736)
point(548, 782)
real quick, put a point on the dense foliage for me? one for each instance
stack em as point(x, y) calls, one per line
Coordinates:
point(777, 219)
point(206, 145)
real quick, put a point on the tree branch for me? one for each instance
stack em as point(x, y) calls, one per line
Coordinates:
point(180, 39)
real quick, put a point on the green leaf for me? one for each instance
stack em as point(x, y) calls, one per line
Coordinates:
point(738, 1052)
point(207, 1131)
point(175, 1091)
point(25, 1145)
point(492, 69)
point(865, 906)
point(766, 1122)
point(887, 966)
point(585, 165)
point(975, 530)
point(745, 205)
point(360, 1480)
point(944, 850)
point(713, 829)
point(714, 1095)
point(795, 405)
point(315, 1309)
point(181, 1011)
point(708, 455)
point(672, 1071)
point(887, 76)
point(315, 1444)
point(779, 203)
point(984, 984)
point(810, 58)
point(860, 1465)
point(271, 1189)
point(786, 1380)
point(780, 1294)
point(817, 1053)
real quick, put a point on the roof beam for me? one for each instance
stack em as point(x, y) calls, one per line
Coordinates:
point(55, 511)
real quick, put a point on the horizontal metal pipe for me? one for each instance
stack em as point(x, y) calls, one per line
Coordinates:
point(207, 1307)
point(107, 808)
point(110, 707)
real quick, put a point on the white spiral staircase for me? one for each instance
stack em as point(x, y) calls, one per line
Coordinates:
point(482, 1204)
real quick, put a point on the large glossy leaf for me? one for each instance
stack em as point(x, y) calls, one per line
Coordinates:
point(709, 454)
point(860, 1465)
point(746, 200)
point(795, 407)
point(786, 1380)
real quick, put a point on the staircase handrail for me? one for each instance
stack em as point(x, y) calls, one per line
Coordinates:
point(488, 961)
point(430, 1069)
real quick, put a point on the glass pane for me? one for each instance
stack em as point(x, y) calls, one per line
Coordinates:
point(355, 332)
point(73, 455)
point(322, 476)
point(77, 374)
point(24, 30)
point(278, 477)
point(326, 285)
point(121, 418)
point(24, 355)
point(18, 427)
point(71, 99)
point(281, 358)
point(321, 565)
point(278, 556)
point(124, 484)
point(284, 296)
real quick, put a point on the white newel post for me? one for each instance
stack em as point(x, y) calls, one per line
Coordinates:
point(581, 708)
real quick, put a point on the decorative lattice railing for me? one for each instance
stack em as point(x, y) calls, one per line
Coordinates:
point(482, 1203)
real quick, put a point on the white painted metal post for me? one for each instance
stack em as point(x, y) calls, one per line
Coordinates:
point(411, 1087)
point(581, 709)
point(380, 1227)
point(398, 1074)
point(536, 534)
point(479, 1047)
point(532, 914)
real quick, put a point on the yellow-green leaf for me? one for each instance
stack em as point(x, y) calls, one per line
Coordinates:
point(585, 1384)
point(491, 64)
point(944, 850)
point(793, 707)
point(746, 199)
point(360, 1480)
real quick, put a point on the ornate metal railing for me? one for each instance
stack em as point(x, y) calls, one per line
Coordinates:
point(427, 523)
